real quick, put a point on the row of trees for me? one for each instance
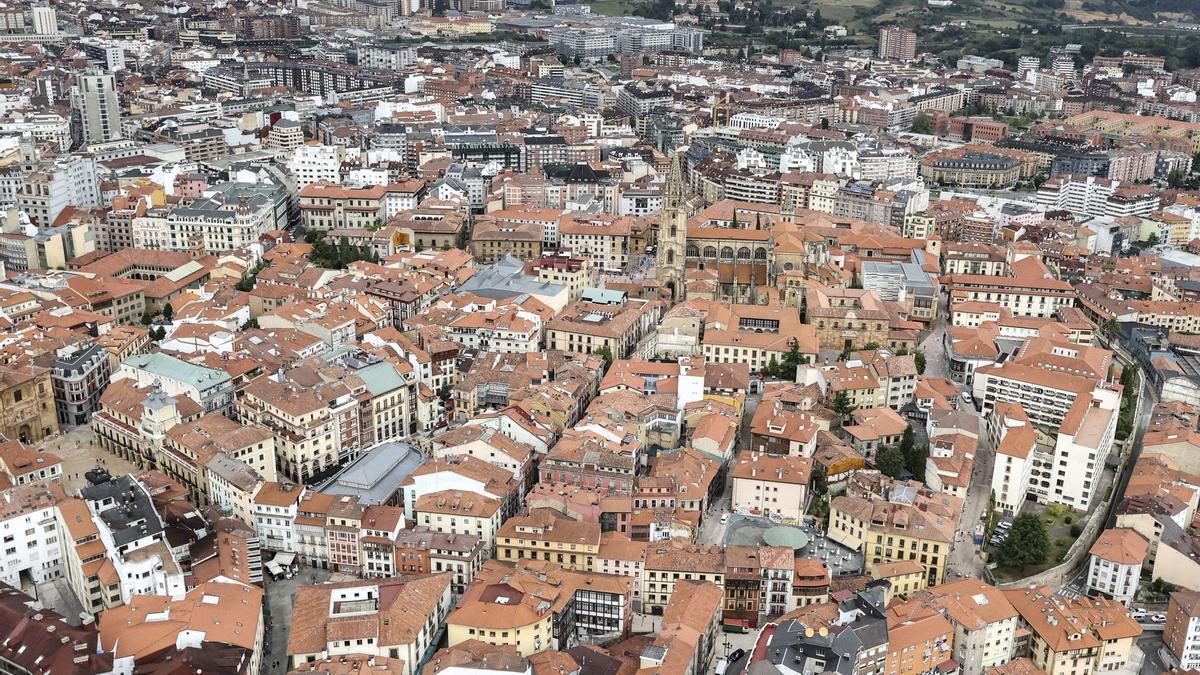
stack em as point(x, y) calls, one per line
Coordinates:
point(1125, 421)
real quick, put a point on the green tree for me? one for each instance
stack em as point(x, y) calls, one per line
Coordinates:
point(605, 353)
point(792, 360)
point(916, 461)
point(842, 405)
point(919, 359)
point(444, 393)
point(1026, 544)
point(922, 124)
point(890, 462)
point(250, 323)
point(147, 317)
point(168, 311)
point(773, 367)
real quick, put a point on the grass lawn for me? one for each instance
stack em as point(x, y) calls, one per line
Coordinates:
point(613, 7)
point(1058, 521)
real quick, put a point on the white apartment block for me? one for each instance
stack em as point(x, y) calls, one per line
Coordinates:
point(316, 163)
point(275, 509)
point(1045, 396)
point(30, 546)
point(69, 181)
point(134, 539)
point(1115, 564)
point(1094, 196)
point(1072, 472)
point(1014, 438)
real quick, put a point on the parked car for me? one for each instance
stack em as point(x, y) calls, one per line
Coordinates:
point(965, 396)
point(1138, 614)
point(1158, 618)
point(736, 654)
point(724, 518)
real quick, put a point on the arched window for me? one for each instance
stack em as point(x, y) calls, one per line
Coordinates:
point(787, 266)
point(693, 251)
point(760, 253)
point(710, 251)
point(671, 257)
point(726, 253)
point(743, 253)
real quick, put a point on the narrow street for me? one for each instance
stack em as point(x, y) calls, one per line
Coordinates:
point(964, 558)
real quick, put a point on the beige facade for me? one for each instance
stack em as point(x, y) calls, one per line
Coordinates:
point(27, 411)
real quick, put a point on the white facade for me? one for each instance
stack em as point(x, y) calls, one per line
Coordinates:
point(1072, 473)
point(316, 163)
point(96, 106)
point(1189, 658)
point(30, 546)
point(1118, 581)
point(69, 181)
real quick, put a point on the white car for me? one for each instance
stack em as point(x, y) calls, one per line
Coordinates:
point(724, 518)
point(1158, 618)
point(965, 396)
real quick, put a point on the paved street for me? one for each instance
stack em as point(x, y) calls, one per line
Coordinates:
point(964, 558)
point(281, 595)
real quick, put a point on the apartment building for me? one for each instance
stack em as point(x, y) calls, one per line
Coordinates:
point(136, 632)
point(603, 319)
point(920, 640)
point(984, 622)
point(138, 554)
point(1014, 438)
point(316, 424)
point(1115, 564)
point(771, 485)
point(1094, 196)
point(549, 536)
point(1181, 632)
point(602, 239)
point(459, 512)
point(897, 43)
point(31, 552)
point(396, 618)
point(674, 563)
point(508, 605)
point(420, 550)
point(190, 447)
point(276, 506)
point(1029, 290)
point(908, 522)
point(1087, 636)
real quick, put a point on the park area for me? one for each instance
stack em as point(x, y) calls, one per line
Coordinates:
point(1038, 539)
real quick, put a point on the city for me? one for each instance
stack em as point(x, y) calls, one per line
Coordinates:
point(621, 337)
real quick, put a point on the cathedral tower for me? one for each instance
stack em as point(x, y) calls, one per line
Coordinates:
point(670, 260)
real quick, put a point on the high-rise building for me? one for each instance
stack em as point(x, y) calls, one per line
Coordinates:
point(45, 20)
point(897, 43)
point(97, 112)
